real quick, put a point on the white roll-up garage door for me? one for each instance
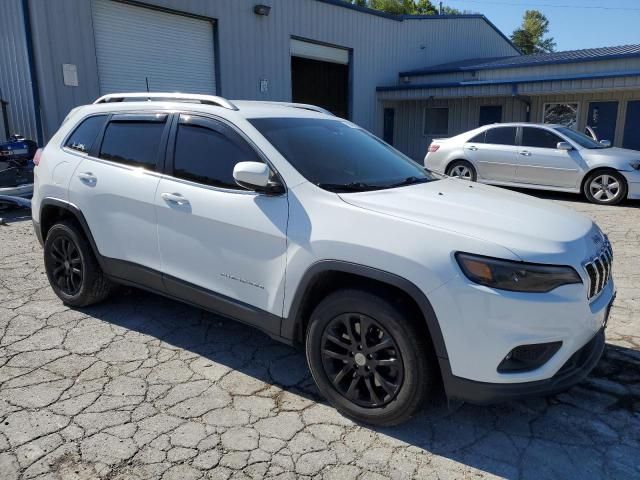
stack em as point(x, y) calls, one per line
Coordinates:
point(136, 45)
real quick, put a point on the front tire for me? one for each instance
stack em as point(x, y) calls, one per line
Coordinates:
point(605, 187)
point(368, 359)
point(463, 170)
point(73, 271)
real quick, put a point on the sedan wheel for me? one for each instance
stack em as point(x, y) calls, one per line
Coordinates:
point(462, 169)
point(606, 188)
point(462, 172)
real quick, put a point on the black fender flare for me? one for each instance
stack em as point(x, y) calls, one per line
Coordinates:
point(77, 214)
point(291, 321)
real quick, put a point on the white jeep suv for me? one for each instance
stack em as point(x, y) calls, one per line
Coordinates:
point(310, 228)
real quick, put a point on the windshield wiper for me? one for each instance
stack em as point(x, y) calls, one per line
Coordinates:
point(410, 181)
point(348, 187)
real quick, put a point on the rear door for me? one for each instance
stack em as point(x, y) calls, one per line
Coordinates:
point(540, 162)
point(493, 153)
point(114, 187)
point(219, 242)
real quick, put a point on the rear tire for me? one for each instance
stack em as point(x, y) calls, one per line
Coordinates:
point(380, 378)
point(463, 170)
point(605, 187)
point(73, 271)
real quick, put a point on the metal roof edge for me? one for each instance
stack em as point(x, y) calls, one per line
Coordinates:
point(585, 76)
point(428, 71)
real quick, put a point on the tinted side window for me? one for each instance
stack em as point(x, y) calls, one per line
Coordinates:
point(540, 138)
point(85, 134)
point(501, 136)
point(477, 139)
point(208, 155)
point(132, 142)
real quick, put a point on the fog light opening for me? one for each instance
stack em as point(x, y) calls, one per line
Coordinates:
point(525, 358)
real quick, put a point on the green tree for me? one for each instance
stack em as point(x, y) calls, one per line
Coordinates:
point(425, 7)
point(406, 7)
point(530, 36)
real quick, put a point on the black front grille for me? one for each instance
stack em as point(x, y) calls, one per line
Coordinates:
point(598, 269)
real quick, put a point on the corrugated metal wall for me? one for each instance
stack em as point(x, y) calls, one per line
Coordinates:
point(15, 80)
point(463, 115)
point(252, 48)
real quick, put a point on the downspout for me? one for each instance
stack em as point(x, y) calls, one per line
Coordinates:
point(525, 100)
point(35, 91)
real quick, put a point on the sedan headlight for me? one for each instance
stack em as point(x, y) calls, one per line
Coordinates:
point(515, 276)
point(635, 164)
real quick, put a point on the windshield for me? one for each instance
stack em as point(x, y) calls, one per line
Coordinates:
point(339, 156)
point(580, 138)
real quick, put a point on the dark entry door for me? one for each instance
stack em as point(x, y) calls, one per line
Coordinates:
point(632, 126)
point(324, 84)
point(490, 114)
point(389, 120)
point(602, 118)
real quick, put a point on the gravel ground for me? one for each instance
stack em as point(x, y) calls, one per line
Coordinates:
point(144, 387)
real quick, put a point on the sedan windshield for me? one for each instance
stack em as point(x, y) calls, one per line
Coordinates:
point(339, 156)
point(580, 138)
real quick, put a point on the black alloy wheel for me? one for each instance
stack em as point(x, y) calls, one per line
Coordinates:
point(67, 265)
point(72, 268)
point(369, 355)
point(362, 360)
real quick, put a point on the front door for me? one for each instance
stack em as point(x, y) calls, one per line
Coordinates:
point(602, 117)
point(632, 126)
point(541, 162)
point(219, 242)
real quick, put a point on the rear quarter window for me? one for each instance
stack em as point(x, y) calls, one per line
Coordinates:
point(82, 138)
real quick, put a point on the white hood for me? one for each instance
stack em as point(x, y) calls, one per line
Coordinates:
point(535, 230)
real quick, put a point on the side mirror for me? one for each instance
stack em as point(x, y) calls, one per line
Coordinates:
point(564, 146)
point(255, 176)
point(605, 143)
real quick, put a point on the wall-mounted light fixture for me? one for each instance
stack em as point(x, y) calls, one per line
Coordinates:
point(262, 10)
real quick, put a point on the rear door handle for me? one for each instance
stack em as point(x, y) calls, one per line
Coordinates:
point(525, 153)
point(87, 178)
point(174, 199)
point(472, 147)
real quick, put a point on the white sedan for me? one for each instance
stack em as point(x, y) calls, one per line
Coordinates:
point(540, 156)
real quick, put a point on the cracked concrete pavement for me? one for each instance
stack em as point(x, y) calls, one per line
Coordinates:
point(143, 387)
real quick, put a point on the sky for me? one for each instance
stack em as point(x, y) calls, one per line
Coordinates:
point(574, 24)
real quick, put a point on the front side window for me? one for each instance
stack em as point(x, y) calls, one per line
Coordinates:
point(565, 114)
point(86, 133)
point(436, 121)
point(133, 142)
point(206, 152)
point(339, 156)
point(501, 136)
point(539, 138)
point(580, 138)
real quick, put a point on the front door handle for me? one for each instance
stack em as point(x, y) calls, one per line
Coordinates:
point(174, 199)
point(88, 178)
point(525, 153)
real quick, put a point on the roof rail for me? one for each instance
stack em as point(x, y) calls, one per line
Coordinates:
point(176, 97)
point(302, 106)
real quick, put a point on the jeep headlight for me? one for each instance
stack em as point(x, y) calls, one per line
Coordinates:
point(515, 276)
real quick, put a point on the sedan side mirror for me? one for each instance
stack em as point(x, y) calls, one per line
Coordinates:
point(256, 176)
point(605, 143)
point(564, 146)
